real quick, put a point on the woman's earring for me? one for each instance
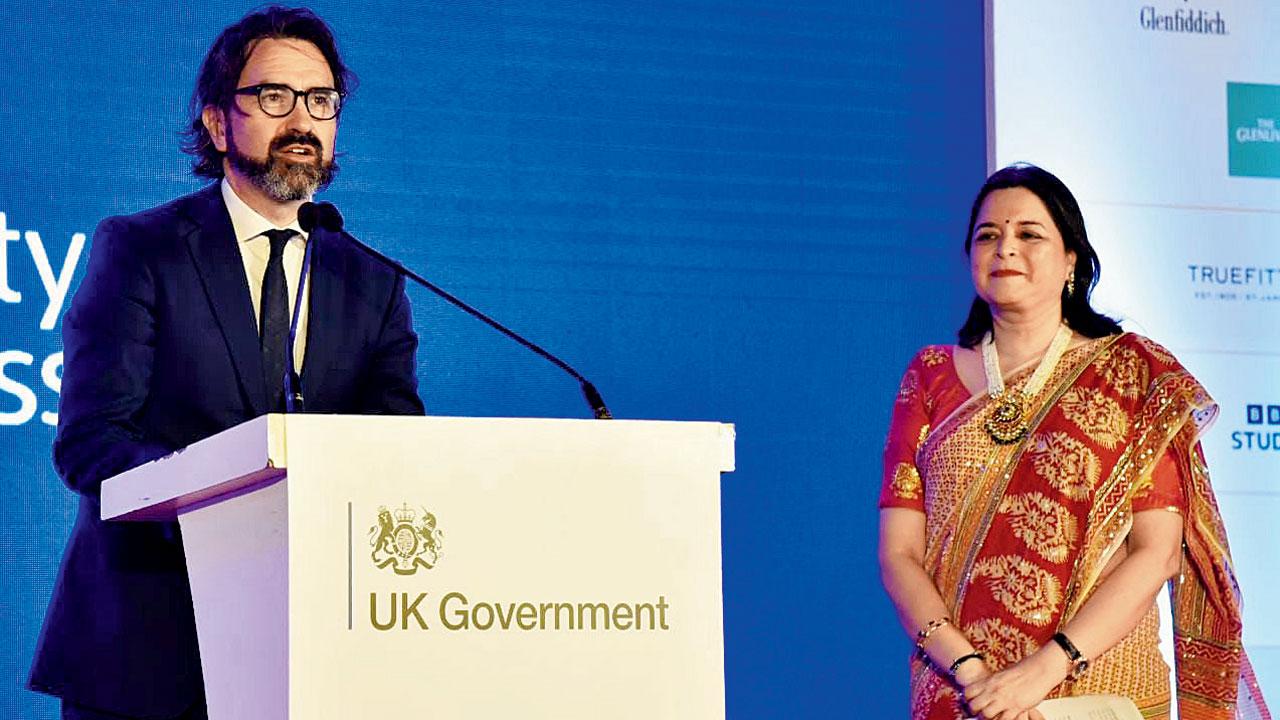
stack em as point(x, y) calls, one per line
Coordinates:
point(1071, 286)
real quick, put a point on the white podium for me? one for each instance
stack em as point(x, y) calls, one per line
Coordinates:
point(358, 567)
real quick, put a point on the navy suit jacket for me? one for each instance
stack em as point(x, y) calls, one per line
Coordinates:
point(161, 350)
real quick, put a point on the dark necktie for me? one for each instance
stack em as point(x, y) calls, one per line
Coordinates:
point(273, 331)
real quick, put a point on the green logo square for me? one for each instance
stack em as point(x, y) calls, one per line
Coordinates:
point(1253, 130)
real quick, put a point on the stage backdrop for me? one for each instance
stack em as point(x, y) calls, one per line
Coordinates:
point(1161, 116)
point(747, 211)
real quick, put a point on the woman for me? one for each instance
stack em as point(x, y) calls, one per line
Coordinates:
point(1043, 481)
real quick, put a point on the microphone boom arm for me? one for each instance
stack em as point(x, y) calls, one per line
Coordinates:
point(326, 215)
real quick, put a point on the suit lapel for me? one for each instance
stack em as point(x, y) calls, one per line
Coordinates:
point(217, 259)
point(327, 297)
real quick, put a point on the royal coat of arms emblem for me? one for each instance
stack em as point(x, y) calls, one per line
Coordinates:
point(404, 542)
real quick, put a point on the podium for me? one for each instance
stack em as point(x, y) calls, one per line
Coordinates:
point(376, 566)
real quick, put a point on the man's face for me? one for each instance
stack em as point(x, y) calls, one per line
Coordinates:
point(289, 157)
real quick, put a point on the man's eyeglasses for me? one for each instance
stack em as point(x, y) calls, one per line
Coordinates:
point(279, 100)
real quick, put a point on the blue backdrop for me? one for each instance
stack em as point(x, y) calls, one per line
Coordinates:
point(747, 211)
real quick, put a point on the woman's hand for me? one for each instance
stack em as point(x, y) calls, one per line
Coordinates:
point(971, 672)
point(1013, 693)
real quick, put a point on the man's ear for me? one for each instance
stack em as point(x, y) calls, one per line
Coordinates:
point(215, 121)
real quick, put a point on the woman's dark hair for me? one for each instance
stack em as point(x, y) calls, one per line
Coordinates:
point(221, 70)
point(1065, 211)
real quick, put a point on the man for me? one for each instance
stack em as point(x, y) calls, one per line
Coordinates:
point(180, 329)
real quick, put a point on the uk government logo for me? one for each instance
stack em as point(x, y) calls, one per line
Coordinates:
point(1253, 138)
point(403, 541)
point(408, 539)
point(1262, 433)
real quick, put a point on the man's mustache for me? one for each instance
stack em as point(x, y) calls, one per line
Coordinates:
point(284, 141)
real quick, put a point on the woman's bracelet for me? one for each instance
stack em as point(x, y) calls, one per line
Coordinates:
point(962, 660)
point(929, 628)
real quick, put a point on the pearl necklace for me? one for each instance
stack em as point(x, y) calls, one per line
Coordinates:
point(1008, 422)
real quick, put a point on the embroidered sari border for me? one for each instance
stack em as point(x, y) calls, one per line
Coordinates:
point(1154, 431)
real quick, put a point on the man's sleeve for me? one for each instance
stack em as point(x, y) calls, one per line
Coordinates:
point(108, 339)
point(390, 382)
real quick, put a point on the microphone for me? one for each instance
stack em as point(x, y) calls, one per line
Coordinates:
point(326, 216)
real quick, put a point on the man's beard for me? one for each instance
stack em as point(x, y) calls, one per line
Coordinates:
point(284, 180)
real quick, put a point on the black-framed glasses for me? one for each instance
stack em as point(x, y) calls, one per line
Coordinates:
point(279, 100)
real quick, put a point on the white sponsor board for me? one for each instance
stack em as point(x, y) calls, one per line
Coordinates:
point(1139, 108)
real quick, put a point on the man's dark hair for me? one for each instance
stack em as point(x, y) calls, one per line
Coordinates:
point(1065, 211)
point(221, 70)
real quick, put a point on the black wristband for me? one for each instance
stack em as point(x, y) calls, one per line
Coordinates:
point(962, 660)
point(1078, 662)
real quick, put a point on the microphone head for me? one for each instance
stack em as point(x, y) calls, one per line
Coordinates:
point(323, 214)
point(330, 218)
point(307, 216)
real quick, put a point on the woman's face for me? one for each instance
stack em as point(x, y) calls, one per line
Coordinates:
point(1017, 257)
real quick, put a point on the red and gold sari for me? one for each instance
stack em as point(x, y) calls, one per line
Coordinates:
point(1019, 536)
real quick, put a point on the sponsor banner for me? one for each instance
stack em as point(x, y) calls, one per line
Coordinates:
point(1127, 110)
point(1243, 445)
point(1189, 277)
point(1182, 20)
point(1252, 134)
point(1161, 118)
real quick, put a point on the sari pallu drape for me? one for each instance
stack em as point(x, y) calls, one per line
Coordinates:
point(1020, 534)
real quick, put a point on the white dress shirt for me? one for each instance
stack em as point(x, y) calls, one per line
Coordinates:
point(255, 250)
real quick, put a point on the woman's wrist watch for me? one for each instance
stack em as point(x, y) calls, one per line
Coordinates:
point(1078, 661)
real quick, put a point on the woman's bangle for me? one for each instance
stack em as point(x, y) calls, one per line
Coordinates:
point(962, 660)
point(929, 628)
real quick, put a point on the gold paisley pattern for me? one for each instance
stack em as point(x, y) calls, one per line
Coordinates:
point(1001, 643)
point(934, 356)
point(1065, 463)
point(1025, 589)
point(924, 434)
point(1098, 416)
point(906, 482)
point(1043, 524)
point(909, 389)
point(1126, 372)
